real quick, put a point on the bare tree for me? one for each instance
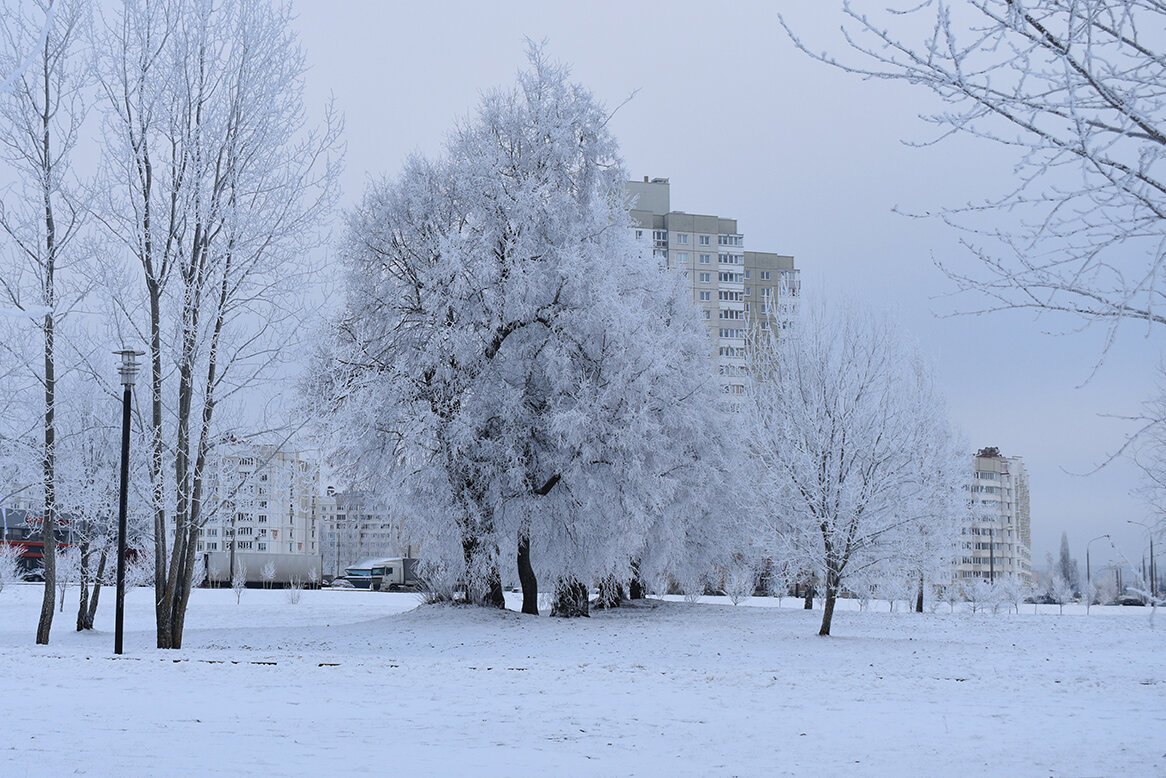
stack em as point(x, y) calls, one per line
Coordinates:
point(267, 574)
point(9, 564)
point(40, 117)
point(68, 570)
point(239, 580)
point(1076, 88)
point(217, 188)
point(853, 445)
point(1149, 453)
point(1061, 590)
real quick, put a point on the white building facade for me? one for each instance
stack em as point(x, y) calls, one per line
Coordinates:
point(996, 542)
point(260, 499)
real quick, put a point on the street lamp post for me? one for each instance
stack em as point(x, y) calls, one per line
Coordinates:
point(1153, 571)
point(128, 370)
point(1088, 574)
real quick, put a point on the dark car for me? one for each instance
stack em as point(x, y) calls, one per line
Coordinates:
point(1130, 599)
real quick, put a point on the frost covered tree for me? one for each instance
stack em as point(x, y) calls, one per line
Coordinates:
point(42, 109)
point(852, 443)
point(215, 186)
point(740, 580)
point(1075, 87)
point(1149, 453)
point(1061, 590)
point(68, 570)
point(267, 573)
point(9, 564)
point(89, 457)
point(239, 580)
point(513, 369)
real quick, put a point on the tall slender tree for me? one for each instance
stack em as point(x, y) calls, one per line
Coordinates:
point(41, 113)
point(217, 189)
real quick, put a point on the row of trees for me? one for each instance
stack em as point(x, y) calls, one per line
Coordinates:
point(517, 374)
point(189, 241)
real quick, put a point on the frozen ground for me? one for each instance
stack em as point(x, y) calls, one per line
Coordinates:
point(357, 683)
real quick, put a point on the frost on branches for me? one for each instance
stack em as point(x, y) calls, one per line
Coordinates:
point(513, 369)
point(859, 469)
point(1076, 89)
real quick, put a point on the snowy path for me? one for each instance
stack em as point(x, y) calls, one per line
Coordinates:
point(354, 681)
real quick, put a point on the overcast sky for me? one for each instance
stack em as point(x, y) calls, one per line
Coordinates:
point(808, 159)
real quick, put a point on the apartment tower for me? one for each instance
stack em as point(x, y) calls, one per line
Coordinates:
point(997, 540)
point(738, 292)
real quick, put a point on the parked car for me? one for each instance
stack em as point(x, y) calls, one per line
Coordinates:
point(1130, 599)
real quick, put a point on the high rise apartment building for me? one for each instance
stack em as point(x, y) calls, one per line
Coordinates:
point(997, 539)
point(261, 498)
point(738, 292)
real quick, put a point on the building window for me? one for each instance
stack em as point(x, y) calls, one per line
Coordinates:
point(682, 257)
point(764, 275)
point(706, 277)
point(706, 296)
point(262, 518)
point(243, 545)
point(262, 546)
point(708, 314)
point(704, 240)
point(705, 259)
point(682, 238)
point(659, 235)
point(746, 272)
point(639, 234)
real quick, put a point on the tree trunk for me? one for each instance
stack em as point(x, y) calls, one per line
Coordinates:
point(809, 603)
point(828, 611)
point(49, 520)
point(526, 577)
point(494, 597)
point(570, 599)
point(919, 595)
point(636, 585)
point(101, 560)
point(83, 603)
point(611, 593)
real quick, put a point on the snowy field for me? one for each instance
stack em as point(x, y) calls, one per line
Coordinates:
point(356, 683)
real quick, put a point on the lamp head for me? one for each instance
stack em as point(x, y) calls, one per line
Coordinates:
point(128, 369)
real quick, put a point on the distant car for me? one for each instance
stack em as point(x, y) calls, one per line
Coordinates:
point(1130, 599)
point(340, 583)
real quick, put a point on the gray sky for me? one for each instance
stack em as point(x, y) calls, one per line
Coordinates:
point(809, 160)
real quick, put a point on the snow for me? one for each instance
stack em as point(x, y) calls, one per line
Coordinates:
point(352, 680)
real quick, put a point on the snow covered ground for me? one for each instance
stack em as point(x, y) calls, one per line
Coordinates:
point(354, 683)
